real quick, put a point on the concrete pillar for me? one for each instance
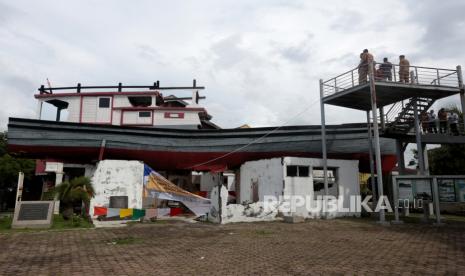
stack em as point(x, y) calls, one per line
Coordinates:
point(19, 189)
point(58, 181)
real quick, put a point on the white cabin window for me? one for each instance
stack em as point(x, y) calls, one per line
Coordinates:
point(140, 101)
point(104, 102)
point(145, 114)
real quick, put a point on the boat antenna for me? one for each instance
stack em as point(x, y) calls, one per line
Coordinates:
point(49, 85)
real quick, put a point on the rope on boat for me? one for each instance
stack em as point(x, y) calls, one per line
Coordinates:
point(258, 139)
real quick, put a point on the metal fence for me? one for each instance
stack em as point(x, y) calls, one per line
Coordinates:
point(416, 75)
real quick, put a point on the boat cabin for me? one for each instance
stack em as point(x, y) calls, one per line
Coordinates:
point(137, 106)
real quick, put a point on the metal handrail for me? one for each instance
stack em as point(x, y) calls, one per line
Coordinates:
point(450, 74)
point(418, 75)
point(156, 86)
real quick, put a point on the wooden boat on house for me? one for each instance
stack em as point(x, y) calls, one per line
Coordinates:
point(169, 133)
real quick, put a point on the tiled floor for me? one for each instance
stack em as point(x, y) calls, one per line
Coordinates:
point(349, 247)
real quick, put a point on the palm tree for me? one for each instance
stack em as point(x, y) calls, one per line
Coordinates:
point(78, 190)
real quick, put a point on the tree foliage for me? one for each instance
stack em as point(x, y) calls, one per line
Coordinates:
point(77, 190)
point(448, 159)
point(11, 166)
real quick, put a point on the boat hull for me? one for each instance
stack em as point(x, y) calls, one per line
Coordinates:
point(170, 149)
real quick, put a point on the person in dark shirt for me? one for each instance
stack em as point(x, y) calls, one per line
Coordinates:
point(386, 69)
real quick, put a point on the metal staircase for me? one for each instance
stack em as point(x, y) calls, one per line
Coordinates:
point(400, 118)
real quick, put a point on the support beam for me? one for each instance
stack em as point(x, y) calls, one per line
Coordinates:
point(58, 180)
point(323, 143)
point(425, 158)
point(395, 198)
point(437, 210)
point(58, 114)
point(374, 110)
point(400, 157)
point(421, 160)
point(19, 190)
point(372, 161)
point(381, 116)
point(102, 150)
point(39, 110)
point(462, 92)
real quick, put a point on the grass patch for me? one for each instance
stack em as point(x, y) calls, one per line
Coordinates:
point(5, 223)
point(136, 222)
point(75, 222)
point(124, 241)
point(59, 223)
point(263, 232)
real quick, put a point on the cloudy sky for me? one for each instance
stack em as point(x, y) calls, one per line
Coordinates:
point(259, 60)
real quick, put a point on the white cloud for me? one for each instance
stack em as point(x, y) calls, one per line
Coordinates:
point(259, 60)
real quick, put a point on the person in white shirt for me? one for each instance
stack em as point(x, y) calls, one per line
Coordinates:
point(453, 122)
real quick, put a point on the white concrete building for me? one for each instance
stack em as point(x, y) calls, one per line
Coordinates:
point(293, 176)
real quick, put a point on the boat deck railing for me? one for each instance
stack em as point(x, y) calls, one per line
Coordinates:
point(418, 75)
point(116, 88)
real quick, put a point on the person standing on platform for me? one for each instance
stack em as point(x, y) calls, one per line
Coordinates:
point(424, 122)
point(364, 69)
point(386, 68)
point(432, 122)
point(404, 68)
point(454, 121)
point(442, 116)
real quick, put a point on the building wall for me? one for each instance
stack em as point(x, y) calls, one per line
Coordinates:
point(118, 178)
point(189, 118)
point(73, 109)
point(133, 118)
point(267, 174)
point(208, 181)
point(347, 179)
point(123, 101)
point(92, 113)
point(272, 180)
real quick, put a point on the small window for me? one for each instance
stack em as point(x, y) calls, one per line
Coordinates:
point(320, 186)
point(291, 171)
point(304, 171)
point(145, 114)
point(104, 102)
point(298, 171)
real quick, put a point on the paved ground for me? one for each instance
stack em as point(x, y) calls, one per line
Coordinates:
point(351, 247)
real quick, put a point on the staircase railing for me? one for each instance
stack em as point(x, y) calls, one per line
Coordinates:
point(391, 113)
point(404, 120)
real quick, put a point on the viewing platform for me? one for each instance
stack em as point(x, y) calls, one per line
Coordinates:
point(402, 99)
point(352, 90)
